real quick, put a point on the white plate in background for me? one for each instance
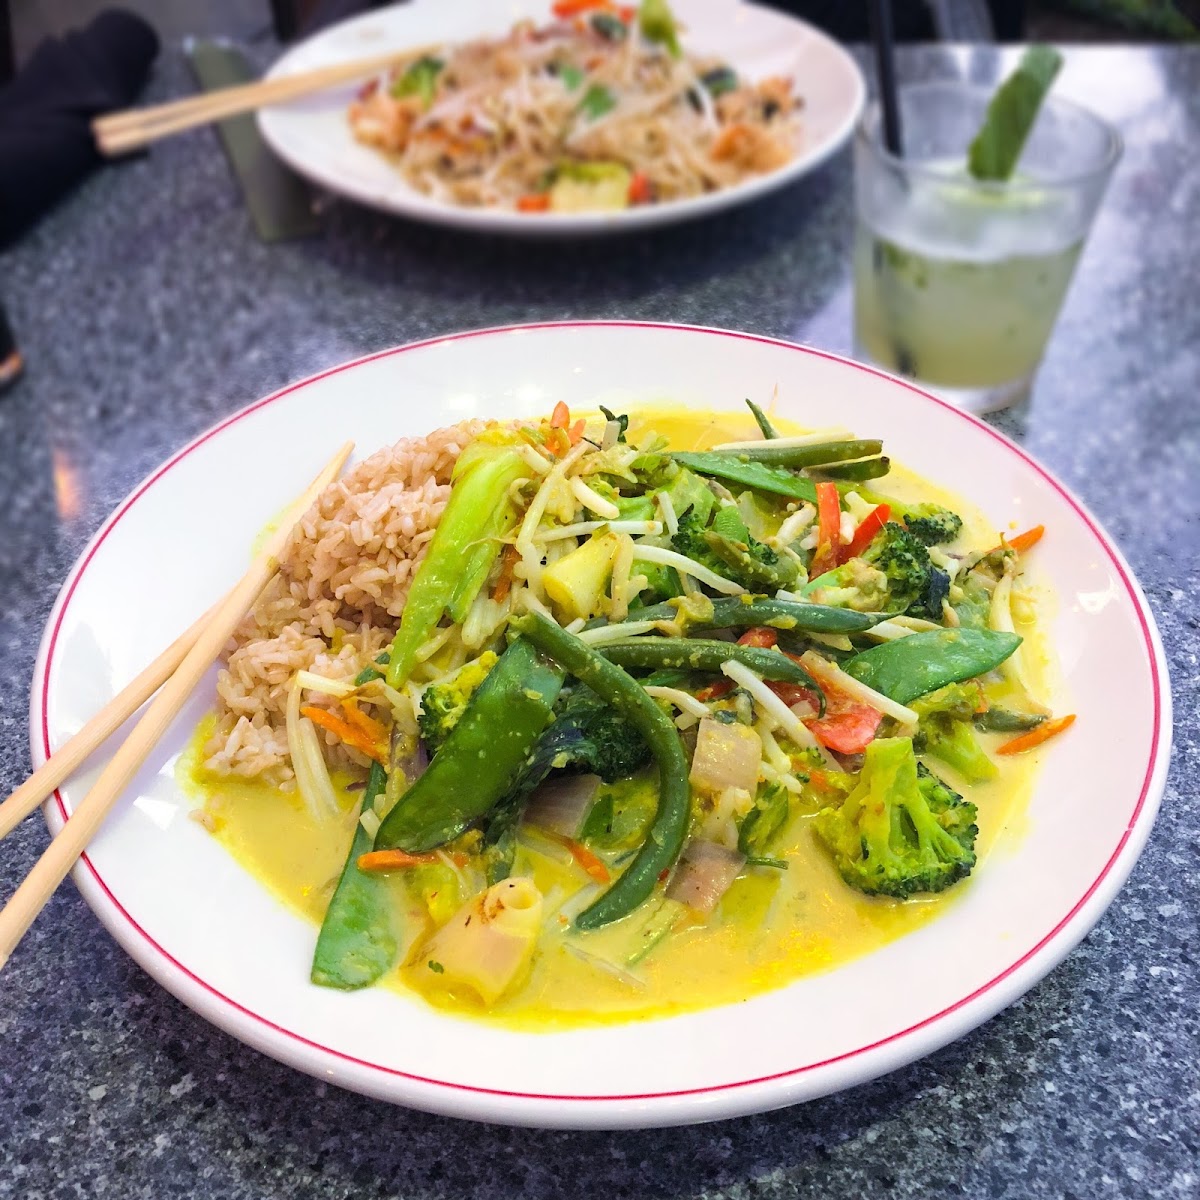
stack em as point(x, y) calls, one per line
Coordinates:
point(313, 134)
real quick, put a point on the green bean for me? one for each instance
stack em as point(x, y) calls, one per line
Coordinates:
point(855, 472)
point(696, 654)
point(815, 454)
point(481, 757)
point(357, 944)
point(759, 476)
point(743, 612)
point(923, 662)
point(1005, 720)
point(669, 828)
point(762, 421)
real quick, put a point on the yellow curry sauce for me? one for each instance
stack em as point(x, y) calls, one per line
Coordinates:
point(770, 928)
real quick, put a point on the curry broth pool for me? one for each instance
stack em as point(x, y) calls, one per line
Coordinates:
point(770, 928)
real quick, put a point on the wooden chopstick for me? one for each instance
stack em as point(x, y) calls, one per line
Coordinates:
point(121, 132)
point(50, 870)
point(65, 761)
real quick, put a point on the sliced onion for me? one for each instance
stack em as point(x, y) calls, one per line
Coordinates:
point(726, 756)
point(704, 875)
point(603, 964)
point(562, 804)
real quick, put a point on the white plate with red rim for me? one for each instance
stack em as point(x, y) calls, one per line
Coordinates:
point(201, 926)
point(313, 135)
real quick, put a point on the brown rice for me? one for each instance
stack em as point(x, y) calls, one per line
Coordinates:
point(337, 599)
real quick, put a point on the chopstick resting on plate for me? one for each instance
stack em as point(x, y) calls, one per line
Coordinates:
point(211, 634)
point(121, 132)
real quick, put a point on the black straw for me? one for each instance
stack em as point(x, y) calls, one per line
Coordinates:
point(880, 13)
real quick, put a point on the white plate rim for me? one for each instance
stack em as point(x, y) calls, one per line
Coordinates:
point(412, 205)
point(690, 1105)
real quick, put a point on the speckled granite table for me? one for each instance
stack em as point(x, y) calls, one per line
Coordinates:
point(147, 310)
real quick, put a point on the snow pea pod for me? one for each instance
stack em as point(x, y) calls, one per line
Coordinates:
point(664, 840)
point(744, 612)
point(923, 662)
point(758, 476)
point(482, 755)
point(461, 553)
point(356, 944)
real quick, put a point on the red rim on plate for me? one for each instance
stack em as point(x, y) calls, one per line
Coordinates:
point(86, 873)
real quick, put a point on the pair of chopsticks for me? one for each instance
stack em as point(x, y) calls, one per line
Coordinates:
point(121, 132)
point(174, 675)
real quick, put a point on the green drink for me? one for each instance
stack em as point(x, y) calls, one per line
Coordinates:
point(957, 280)
point(956, 322)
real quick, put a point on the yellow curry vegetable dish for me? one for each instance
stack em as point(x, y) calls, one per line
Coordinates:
point(578, 720)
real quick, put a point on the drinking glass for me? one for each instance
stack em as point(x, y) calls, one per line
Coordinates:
point(958, 281)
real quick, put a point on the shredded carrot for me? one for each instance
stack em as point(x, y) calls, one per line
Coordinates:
point(593, 865)
point(375, 730)
point(639, 189)
point(557, 442)
point(1035, 737)
point(577, 431)
point(571, 8)
point(560, 418)
point(760, 636)
point(1027, 540)
point(392, 860)
point(508, 561)
point(347, 732)
point(533, 202)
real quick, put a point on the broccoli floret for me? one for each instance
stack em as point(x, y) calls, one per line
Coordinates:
point(946, 732)
point(901, 830)
point(588, 736)
point(932, 523)
point(971, 602)
point(442, 704)
point(929, 603)
point(727, 548)
point(891, 575)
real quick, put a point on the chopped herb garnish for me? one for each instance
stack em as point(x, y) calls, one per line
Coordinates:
point(720, 80)
point(436, 967)
point(597, 100)
point(419, 80)
point(571, 76)
point(610, 27)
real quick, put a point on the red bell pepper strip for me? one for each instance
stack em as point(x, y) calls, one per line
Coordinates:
point(871, 524)
point(829, 525)
point(848, 730)
point(761, 636)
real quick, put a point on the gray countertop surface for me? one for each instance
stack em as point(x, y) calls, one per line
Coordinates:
point(147, 310)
